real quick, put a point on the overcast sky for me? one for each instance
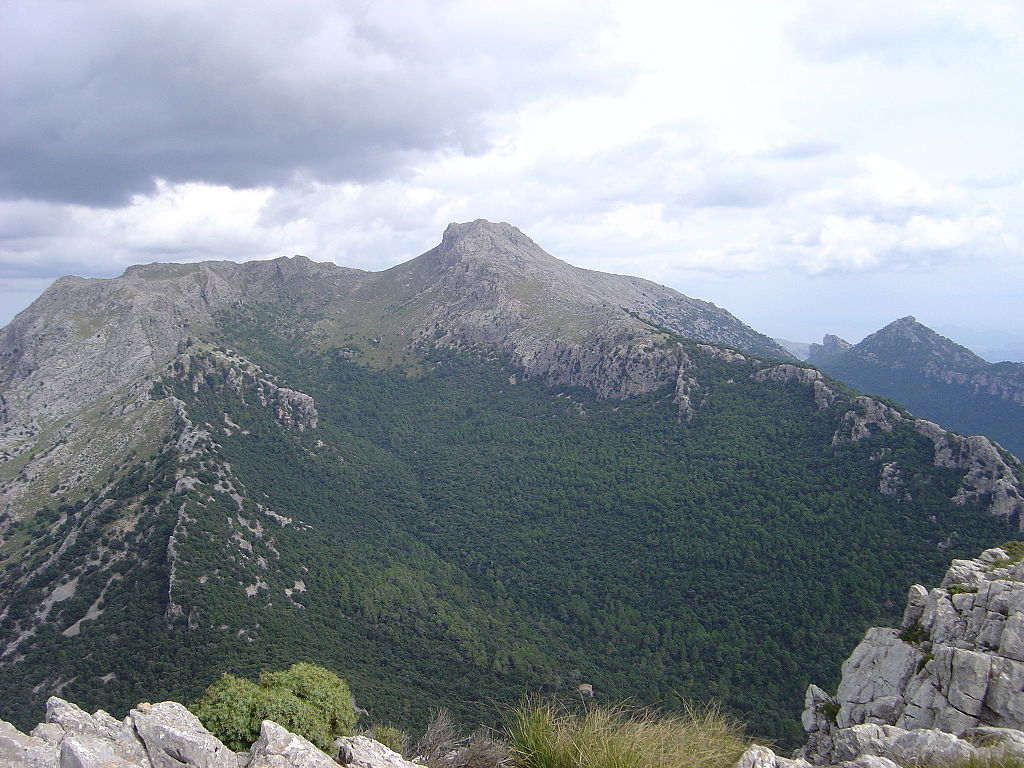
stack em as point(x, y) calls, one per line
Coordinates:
point(811, 166)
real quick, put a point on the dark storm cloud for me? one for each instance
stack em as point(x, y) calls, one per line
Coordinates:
point(100, 98)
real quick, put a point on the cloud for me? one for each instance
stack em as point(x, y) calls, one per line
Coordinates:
point(101, 98)
point(933, 32)
point(888, 217)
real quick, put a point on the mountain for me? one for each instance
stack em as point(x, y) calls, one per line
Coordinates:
point(476, 474)
point(799, 349)
point(934, 377)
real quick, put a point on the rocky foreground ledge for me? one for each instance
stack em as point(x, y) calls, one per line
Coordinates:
point(946, 688)
point(167, 735)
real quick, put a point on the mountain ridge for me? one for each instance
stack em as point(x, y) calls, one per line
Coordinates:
point(933, 376)
point(470, 474)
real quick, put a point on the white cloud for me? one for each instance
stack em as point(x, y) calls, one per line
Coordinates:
point(921, 32)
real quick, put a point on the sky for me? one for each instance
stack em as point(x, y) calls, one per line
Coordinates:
point(814, 167)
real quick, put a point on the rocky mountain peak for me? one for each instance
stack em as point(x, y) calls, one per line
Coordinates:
point(831, 345)
point(493, 242)
point(917, 342)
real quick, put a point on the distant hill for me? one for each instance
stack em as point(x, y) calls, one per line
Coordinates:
point(936, 378)
point(798, 349)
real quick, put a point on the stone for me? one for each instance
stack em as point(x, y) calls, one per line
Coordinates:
point(51, 733)
point(74, 721)
point(1011, 641)
point(870, 761)
point(173, 737)
point(17, 749)
point(756, 756)
point(814, 717)
point(917, 599)
point(86, 751)
point(878, 668)
point(926, 746)
point(367, 753)
point(278, 748)
point(993, 555)
point(1005, 700)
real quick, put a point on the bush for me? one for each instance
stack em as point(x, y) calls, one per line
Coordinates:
point(442, 746)
point(306, 699)
point(391, 737)
point(547, 736)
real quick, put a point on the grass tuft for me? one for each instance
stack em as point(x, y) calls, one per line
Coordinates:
point(545, 735)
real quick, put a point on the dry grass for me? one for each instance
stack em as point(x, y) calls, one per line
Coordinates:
point(544, 735)
point(443, 747)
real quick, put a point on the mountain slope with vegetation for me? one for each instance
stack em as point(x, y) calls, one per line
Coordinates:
point(477, 474)
point(934, 377)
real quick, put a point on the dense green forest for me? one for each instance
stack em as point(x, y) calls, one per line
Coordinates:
point(462, 537)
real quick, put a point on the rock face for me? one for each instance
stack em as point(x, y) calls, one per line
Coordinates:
point(948, 685)
point(165, 735)
point(990, 476)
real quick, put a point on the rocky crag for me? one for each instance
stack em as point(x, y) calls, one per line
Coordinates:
point(167, 735)
point(944, 688)
point(934, 377)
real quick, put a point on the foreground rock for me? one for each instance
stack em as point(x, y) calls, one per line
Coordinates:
point(166, 735)
point(947, 687)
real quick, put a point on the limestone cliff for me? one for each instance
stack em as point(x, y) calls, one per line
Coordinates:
point(948, 684)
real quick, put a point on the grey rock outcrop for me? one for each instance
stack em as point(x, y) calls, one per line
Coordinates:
point(989, 477)
point(368, 753)
point(166, 735)
point(947, 685)
point(279, 748)
point(824, 395)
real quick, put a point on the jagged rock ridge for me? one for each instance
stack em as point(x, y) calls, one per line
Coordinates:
point(948, 681)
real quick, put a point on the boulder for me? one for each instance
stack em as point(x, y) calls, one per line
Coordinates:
point(367, 753)
point(18, 749)
point(279, 748)
point(64, 719)
point(757, 756)
point(174, 738)
point(85, 751)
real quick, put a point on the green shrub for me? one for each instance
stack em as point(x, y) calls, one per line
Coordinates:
point(547, 736)
point(961, 589)
point(1015, 549)
point(914, 634)
point(391, 737)
point(829, 710)
point(306, 699)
